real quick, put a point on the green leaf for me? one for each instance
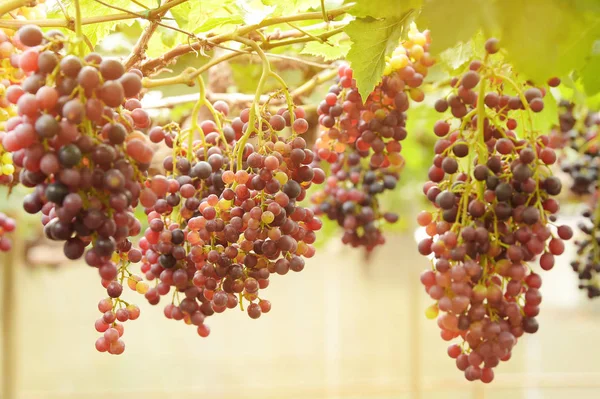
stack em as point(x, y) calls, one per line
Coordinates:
point(332, 50)
point(372, 40)
point(191, 14)
point(457, 56)
point(254, 11)
point(96, 32)
point(545, 120)
point(451, 22)
point(590, 76)
point(169, 37)
point(546, 38)
point(215, 22)
point(383, 8)
point(293, 6)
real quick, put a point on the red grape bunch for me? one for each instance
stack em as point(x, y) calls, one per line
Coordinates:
point(7, 225)
point(76, 137)
point(577, 134)
point(361, 141)
point(492, 190)
point(226, 215)
point(9, 74)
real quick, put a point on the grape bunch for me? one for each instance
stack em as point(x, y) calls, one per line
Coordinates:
point(362, 142)
point(226, 214)
point(9, 74)
point(577, 135)
point(78, 141)
point(7, 225)
point(587, 263)
point(6, 165)
point(492, 190)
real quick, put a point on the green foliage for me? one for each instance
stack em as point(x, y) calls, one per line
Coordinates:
point(589, 75)
point(333, 49)
point(254, 11)
point(383, 8)
point(459, 55)
point(368, 51)
point(375, 33)
point(295, 6)
point(542, 38)
point(451, 22)
point(97, 32)
point(190, 16)
point(545, 120)
point(546, 38)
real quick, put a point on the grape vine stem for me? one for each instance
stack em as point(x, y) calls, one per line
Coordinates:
point(11, 5)
point(78, 31)
point(188, 75)
point(254, 113)
point(138, 52)
point(156, 63)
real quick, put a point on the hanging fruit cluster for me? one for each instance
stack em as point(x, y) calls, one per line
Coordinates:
point(577, 135)
point(361, 140)
point(227, 215)
point(492, 189)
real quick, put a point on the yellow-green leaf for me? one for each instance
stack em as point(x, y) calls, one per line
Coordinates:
point(254, 11)
point(590, 76)
point(383, 8)
point(546, 38)
point(215, 22)
point(451, 22)
point(331, 50)
point(372, 40)
point(90, 8)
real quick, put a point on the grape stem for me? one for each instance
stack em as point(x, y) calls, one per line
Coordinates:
point(254, 112)
point(78, 31)
point(195, 127)
point(156, 63)
point(216, 115)
point(293, 33)
point(138, 52)
point(189, 74)
point(320, 40)
point(11, 5)
point(324, 12)
point(480, 125)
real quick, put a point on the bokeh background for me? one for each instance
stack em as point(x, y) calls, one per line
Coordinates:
point(345, 327)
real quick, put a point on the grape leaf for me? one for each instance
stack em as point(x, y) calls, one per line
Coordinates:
point(332, 50)
point(292, 6)
point(590, 78)
point(254, 11)
point(454, 21)
point(214, 22)
point(371, 40)
point(383, 8)
point(190, 15)
point(546, 38)
point(545, 120)
point(457, 56)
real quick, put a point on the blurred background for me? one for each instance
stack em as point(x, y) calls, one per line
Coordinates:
point(345, 327)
